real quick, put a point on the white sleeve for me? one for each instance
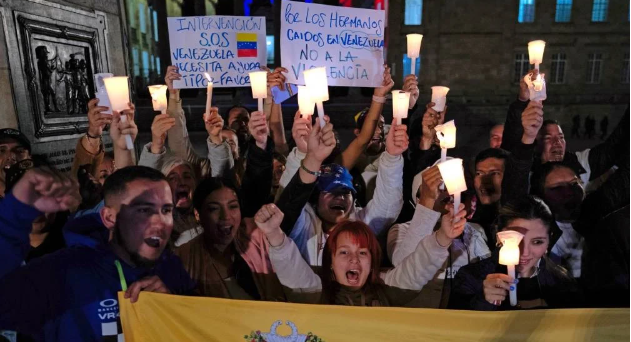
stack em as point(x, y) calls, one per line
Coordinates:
point(292, 270)
point(419, 267)
point(387, 201)
point(291, 167)
point(403, 238)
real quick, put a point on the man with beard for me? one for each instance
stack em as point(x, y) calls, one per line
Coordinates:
point(14, 147)
point(71, 295)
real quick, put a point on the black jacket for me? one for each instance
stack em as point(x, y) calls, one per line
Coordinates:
point(552, 284)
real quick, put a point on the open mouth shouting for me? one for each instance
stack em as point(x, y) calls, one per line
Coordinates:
point(154, 241)
point(556, 154)
point(339, 207)
point(182, 197)
point(352, 277)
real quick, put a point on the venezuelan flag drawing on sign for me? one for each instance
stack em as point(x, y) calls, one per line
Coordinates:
point(160, 317)
point(246, 45)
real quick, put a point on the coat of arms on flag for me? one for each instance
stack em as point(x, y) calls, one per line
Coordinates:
point(246, 45)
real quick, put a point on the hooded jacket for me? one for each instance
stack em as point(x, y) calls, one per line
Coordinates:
point(69, 295)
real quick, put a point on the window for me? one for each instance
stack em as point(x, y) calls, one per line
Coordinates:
point(599, 10)
point(158, 70)
point(557, 72)
point(145, 64)
point(522, 66)
point(141, 18)
point(526, 11)
point(407, 65)
point(155, 25)
point(269, 41)
point(413, 12)
point(132, 15)
point(135, 61)
point(625, 69)
point(594, 67)
point(564, 11)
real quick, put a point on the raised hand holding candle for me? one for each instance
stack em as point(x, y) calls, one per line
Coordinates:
point(453, 175)
point(509, 256)
point(258, 82)
point(318, 88)
point(446, 134)
point(535, 52)
point(400, 103)
point(414, 49)
point(305, 102)
point(209, 93)
point(158, 97)
point(439, 97)
point(118, 94)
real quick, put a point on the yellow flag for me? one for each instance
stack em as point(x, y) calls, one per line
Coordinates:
point(159, 317)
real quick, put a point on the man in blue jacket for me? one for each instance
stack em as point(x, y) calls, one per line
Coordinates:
point(71, 295)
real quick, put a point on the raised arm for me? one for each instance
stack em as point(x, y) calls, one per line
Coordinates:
point(292, 270)
point(359, 144)
point(515, 182)
point(257, 180)
point(179, 140)
point(403, 238)
point(513, 128)
point(219, 153)
point(386, 204)
point(118, 130)
point(154, 152)
point(421, 266)
point(275, 116)
point(300, 131)
point(293, 199)
point(89, 148)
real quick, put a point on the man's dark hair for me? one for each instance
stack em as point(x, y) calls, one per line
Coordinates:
point(491, 153)
point(539, 175)
point(547, 122)
point(117, 182)
point(281, 158)
point(227, 115)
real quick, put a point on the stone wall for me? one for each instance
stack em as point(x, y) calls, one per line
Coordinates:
point(90, 28)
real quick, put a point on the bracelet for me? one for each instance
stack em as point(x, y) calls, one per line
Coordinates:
point(315, 173)
point(379, 99)
point(92, 137)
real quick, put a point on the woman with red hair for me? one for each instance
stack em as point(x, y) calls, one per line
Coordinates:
point(350, 273)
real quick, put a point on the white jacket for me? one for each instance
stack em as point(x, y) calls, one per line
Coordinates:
point(411, 274)
point(379, 213)
point(403, 238)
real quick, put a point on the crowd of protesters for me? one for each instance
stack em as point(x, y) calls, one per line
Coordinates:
point(305, 220)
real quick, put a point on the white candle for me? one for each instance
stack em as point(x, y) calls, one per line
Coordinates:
point(446, 134)
point(453, 176)
point(305, 103)
point(118, 94)
point(535, 52)
point(400, 102)
point(158, 97)
point(439, 97)
point(509, 256)
point(209, 92)
point(318, 88)
point(258, 83)
point(414, 48)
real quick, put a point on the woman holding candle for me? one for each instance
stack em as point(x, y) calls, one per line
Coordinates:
point(542, 283)
point(350, 273)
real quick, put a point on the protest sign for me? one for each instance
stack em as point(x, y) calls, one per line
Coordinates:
point(347, 41)
point(227, 47)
